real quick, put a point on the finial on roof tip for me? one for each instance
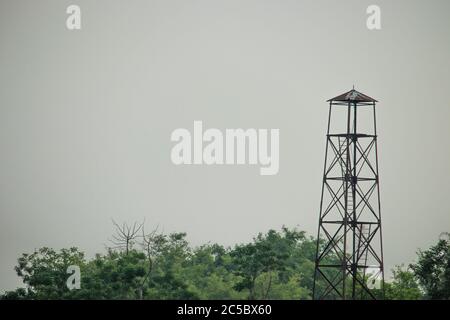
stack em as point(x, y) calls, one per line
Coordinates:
point(353, 87)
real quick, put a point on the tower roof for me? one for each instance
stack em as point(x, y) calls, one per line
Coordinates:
point(353, 96)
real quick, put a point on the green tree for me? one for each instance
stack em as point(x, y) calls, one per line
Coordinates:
point(403, 286)
point(116, 275)
point(208, 273)
point(269, 255)
point(275, 265)
point(167, 281)
point(433, 270)
point(44, 273)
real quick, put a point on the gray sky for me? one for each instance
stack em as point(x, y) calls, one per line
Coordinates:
point(86, 116)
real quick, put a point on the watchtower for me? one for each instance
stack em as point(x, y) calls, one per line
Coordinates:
point(349, 253)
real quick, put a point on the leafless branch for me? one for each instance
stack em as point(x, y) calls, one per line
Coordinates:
point(125, 235)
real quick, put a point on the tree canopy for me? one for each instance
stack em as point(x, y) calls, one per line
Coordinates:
point(275, 265)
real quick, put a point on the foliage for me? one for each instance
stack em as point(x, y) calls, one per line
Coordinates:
point(433, 271)
point(268, 262)
point(275, 265)
point(403, 286)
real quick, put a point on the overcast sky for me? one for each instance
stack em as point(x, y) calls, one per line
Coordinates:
point(86, 116)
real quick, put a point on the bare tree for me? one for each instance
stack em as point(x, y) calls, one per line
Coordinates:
point(125, 235)
point(149, 244)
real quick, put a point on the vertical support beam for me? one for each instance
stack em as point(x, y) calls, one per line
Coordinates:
point(354, 222)
point(321, 203)
point(346, 215)
point(379, 200)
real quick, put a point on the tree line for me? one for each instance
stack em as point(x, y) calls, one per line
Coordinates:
point(154, 265)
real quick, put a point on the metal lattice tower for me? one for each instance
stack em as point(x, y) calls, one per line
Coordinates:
point(349, 254)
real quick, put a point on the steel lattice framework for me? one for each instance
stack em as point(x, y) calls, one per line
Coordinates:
point(349, 254)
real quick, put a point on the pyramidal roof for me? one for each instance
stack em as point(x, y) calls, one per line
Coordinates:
point(353, 96)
